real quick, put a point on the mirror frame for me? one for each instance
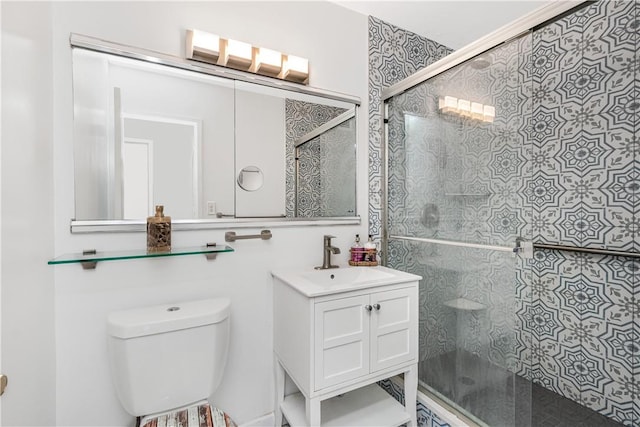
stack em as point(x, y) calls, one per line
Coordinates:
point(103, 46)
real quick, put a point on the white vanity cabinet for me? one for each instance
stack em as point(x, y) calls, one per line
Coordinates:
point(335, 336)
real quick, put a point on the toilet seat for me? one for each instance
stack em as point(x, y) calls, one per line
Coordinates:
point(199, 414)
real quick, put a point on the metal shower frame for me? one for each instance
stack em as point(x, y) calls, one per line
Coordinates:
point(520, 26)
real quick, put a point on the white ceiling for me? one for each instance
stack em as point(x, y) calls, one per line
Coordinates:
point(453, 23)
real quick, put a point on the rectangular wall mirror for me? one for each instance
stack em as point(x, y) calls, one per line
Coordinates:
point(210, 149)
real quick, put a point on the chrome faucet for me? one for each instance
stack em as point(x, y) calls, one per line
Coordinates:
point(327, 251)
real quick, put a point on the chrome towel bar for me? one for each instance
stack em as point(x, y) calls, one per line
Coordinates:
point(455, 243)
point(230, 236)
point(587, 250)
point(519, 246)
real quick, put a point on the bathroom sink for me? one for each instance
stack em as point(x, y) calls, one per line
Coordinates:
point(345, 276)
point(324, 282)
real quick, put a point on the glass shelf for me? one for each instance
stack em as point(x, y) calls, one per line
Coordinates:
point(89, 259)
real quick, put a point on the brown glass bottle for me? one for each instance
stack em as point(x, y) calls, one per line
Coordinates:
point(159, 231)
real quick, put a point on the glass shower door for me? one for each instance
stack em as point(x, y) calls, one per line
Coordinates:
point(456, 205)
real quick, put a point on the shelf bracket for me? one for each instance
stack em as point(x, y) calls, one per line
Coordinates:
point(89, 265)
point(211, 256)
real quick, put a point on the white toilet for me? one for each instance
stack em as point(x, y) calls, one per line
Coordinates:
point(168, 358)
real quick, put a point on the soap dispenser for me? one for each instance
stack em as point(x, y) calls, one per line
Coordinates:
point(370, 250)
point(357, 251)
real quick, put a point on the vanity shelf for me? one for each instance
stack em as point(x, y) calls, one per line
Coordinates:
point(89, 259)
point(366, 406)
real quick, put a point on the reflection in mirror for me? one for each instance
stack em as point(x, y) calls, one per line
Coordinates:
point(148, 134)
point(142, 133)
point(250, 178)
point(260, 143)
point(160, 161)
point(325, 169)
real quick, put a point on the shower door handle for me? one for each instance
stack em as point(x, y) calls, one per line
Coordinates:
point(524, 248)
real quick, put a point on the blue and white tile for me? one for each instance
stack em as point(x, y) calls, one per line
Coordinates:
point(556, 369)
point(545, 124)
point(542, 226)
point(618, 275)
point(551, 262)
point(610, 213)
point(393, 389)
point(524, 341)
point(608, 385)
point(393, 55)
point(611, 32)
point(585, 154)
point(632, 385)
point(553, 49)
point(584, 226)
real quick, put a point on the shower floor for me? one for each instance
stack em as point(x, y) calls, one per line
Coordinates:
point(500, 398)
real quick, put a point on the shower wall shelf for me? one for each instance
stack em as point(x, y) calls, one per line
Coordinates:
point(89, 258)
point(467, 194)
point(465, 304)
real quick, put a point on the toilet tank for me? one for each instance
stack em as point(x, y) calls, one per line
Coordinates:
point(170, 355)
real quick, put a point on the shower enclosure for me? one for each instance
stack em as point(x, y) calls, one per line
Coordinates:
point(454, 216)
point(524, 144)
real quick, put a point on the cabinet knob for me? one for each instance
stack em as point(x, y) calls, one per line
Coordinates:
point(367, 307)
point(376, 306)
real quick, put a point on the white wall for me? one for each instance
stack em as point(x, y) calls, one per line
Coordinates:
point(28, 356)
point(174, 180)
point(335, 41)
point(261, 143)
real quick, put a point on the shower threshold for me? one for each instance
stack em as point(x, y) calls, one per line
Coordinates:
point(496, 397)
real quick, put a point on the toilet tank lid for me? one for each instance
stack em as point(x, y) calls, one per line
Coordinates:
point(158, 319)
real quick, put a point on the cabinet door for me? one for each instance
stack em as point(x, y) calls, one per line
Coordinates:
point(394, 327)
point(341, 340)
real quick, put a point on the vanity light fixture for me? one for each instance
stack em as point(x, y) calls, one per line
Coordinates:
point(489, 113)
point(449, 104)
point(267, 62)
point(203, 46)
point(238, 55)
point(295, 69)
point(206, 47)
point(477, 111)
point(466, 108)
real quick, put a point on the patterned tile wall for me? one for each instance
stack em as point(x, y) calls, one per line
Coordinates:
point(584, 189)
point(327, 177)
point(394, 54)
point(337, 171)
point(426, 417)
point(455, 178)
point(558, 165)
point(309, 182)
point(301, 118)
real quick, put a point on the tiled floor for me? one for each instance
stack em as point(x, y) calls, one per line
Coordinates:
point(502, 399)
point(553, 410)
